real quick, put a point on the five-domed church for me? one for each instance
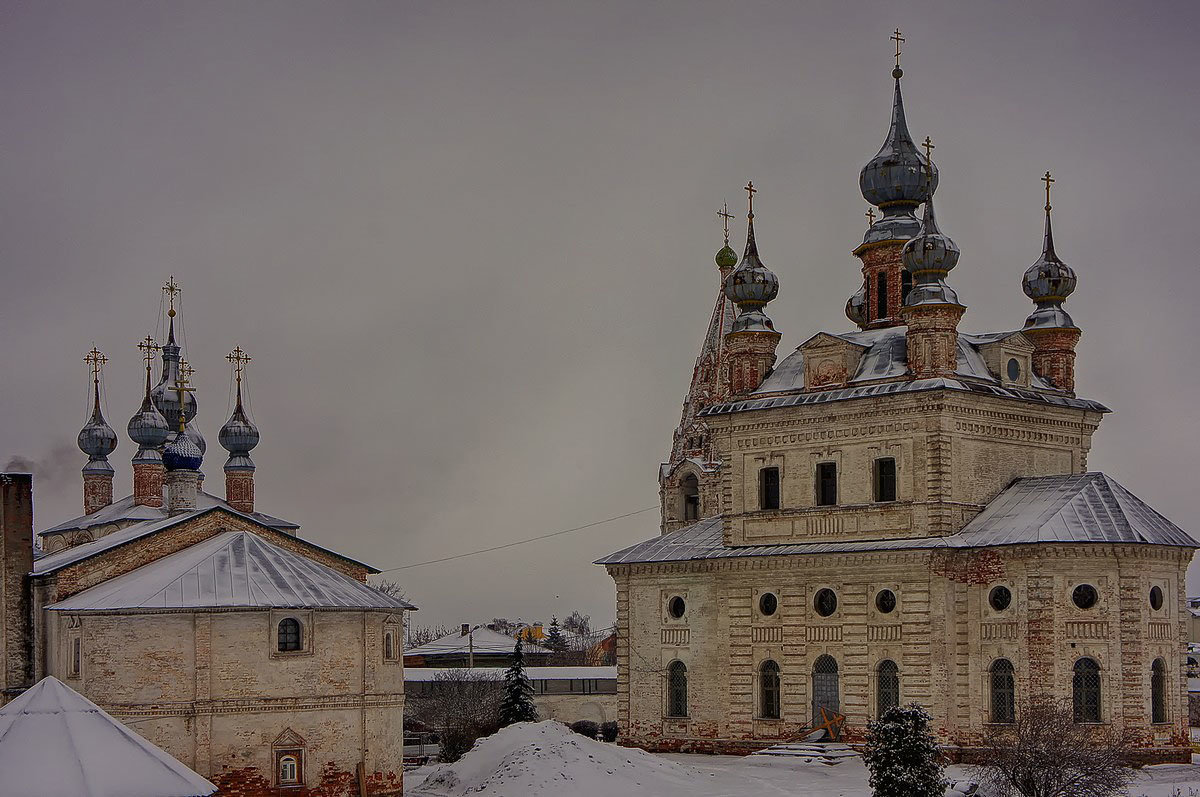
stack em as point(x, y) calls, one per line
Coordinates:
point(258, 658)
point(899, 513)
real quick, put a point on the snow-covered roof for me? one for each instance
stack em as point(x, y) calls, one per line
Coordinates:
point(69, 556)
point(497, 673)
point(1082, 508)
point(479, 640)
point(232, 570)
point(126, 511)
point(54, 741)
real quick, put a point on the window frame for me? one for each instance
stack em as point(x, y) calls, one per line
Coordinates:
point(1002, 669)
point(677, 691)
point(886, 677)
point(1087, 700)
point(289, 636)
point(826, 467)
point(297, 757)
point(307, 633)
point(877, 478)
point(1158, 692)
point(75, 656)
point(770, 486)
point(691, 499)
point(770, 688)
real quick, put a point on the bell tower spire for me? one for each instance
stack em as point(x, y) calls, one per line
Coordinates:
point(97, 439)
point(1048, 282)
point(149, 429)
point(238, 436)
point(752, 340)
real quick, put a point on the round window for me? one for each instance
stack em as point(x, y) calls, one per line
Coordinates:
point(999, 598)
point(1014, 369)
point(1085, 596)
point(768, 603)
point(825, 602)
point(676, 607)
point(885, 601)
point(1156, 599)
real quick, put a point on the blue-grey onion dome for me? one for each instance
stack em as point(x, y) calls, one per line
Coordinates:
point(897, 226)
point(751, 284)
point(182, 454)
point(97, 439)
point(898, 174)
point(166, 399)
point(148, 428)
point(1049, 279)
point(239, 435)
point(726, 257)
point(752, 320)
point(197, 439)
point(931, 250)
point(856, 306)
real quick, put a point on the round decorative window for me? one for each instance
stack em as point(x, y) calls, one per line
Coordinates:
point(825, 602)
point(1014, 369)
point(1084, 596)
point(768, 604)
point(1000, 598)
point(1156, 598)
point(676, 607)
point(885, 601)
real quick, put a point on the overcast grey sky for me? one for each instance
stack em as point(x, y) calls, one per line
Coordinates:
point(469, 245)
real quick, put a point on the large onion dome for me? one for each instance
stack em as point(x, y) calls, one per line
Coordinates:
point(97, 439)
point(182, 454)
point(1049, 282)
point(239, 436)
point(750, 286)
point(148, 428)
point(929, 258)
point(164, 395)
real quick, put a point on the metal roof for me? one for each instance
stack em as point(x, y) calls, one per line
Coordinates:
point(479, 640)
point(54, 740)
point(125, 510)
point(232, 570)
point(1082, 508)
point(50, 562)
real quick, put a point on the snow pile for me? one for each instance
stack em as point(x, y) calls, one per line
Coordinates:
point(540, 759)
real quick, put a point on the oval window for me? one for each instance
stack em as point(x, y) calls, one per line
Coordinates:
point(1156, 598)
point(1014, 369)
point(825, 602)
point(885, 601)
point(999, 598)
point(676, 607)
point(768, 604)
point(1084, 596)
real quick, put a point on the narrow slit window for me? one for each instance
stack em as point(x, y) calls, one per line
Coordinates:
point(885, 479)
point(905, 285)
point(881, 295)
point(827, 484)
point(76, 656)
point(1158, 691)
point(768, 488)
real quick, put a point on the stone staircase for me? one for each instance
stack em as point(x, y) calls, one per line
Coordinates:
point(829, 753)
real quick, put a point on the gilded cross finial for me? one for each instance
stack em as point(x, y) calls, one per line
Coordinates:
point(1047, 180)
point(149, 347)
point(95, 360)
point(183, 386)
point(870, 217)
point(171, 289)
point(239, 359)
point(928, 146)
point(898, 39)
point(725, 216)
point(751, 191)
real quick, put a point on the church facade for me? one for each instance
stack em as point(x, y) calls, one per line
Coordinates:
point(899, 513)
point(259, 659)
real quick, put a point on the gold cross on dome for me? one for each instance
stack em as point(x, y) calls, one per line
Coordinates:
point(171, 289)
point(183, 385)
point(149, 348)
point(870, 216)
point(751, 190)
point(95, 360)
point(239, 359)
point(725, 216)
point(897, 38)
point(1047, 180)
point(928, 146)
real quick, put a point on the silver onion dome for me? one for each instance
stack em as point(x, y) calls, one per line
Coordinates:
point(1049, 282)
point(856, 306)
point(193, 434)
point(929, 258)
point(164, 395)
point(750, 286)
point(97, 439)
point(148, 428)
point(239, 436)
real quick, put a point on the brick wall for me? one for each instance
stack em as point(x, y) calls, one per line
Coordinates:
point(16, 560)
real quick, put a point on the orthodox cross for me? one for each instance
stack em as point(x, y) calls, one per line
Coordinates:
point(182, 387)
point(897, 38)
point(726, 216)
point(870, 217)
point(751, 190)
point(171, 289)
point(149, 348)
point(95, 360)
point(239, 359)
point(928, 146)
point(1047, 180)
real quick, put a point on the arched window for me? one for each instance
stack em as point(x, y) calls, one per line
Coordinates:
point(825, 686)
point(1085, 691)
point(677, 688)
point(389, 645)
point(289, 635)
point(768, 689)
point(691, 497)
point(1004, 692)
point(1158, 691)
point(289, 769)
point(887, 686)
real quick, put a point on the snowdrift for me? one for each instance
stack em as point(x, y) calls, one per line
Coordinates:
point(540, 759)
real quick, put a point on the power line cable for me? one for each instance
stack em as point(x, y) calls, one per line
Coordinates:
point(519, 542)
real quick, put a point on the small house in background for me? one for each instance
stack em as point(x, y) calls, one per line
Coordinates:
point(473, 646)
point(54, 741)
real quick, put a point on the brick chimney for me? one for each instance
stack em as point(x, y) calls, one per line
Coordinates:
point(16, 560)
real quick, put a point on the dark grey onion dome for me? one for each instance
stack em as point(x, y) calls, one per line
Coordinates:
point(726, 257)
point(182, 454)
point(750, 286)
point(193, 434)
point(97, 439)
point(239, 436)
point(148, 428)
point(856, 306)
point(929, 258)
point(164, 395)
point(1049, 282)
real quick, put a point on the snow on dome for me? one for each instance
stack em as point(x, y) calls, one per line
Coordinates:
point(54, 741)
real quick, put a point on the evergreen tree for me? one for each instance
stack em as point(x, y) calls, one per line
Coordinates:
point(518, 692)
point(902, 755)
point(554, 638)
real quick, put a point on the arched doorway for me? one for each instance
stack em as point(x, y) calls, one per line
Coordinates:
point(825, 687)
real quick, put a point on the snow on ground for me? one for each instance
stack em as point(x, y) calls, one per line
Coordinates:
point(545, 758)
